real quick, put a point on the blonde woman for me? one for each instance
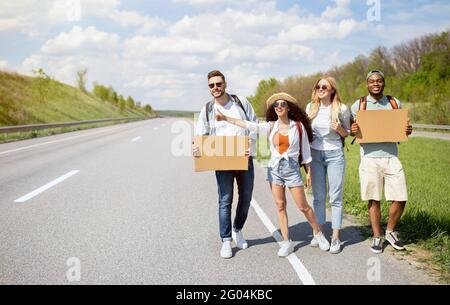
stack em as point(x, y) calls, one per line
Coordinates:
point(285, 122)
point(330, 124)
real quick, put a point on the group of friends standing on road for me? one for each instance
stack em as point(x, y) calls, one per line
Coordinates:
point(314, 139)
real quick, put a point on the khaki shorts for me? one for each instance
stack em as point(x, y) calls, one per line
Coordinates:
point(376, 173)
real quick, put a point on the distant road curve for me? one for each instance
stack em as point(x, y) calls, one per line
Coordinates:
point(434, 135)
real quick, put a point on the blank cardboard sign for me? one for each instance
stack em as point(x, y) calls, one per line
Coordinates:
point(221, 153)
point(379, 126)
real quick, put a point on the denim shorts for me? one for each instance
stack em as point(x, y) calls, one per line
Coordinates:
point(286, 173)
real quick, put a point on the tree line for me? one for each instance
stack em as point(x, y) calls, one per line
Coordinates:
point(417, 72)
point(108, 94)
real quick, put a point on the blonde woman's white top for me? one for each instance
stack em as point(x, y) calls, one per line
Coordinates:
point(325, 138)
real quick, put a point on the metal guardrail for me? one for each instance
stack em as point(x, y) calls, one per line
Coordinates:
point(24, 128)
point(437, 127)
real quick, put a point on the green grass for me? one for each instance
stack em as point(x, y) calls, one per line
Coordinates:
point(21, 103)
point(426, 221)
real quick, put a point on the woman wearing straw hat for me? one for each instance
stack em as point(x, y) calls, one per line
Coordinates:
point(330, 121)
point(285, 122)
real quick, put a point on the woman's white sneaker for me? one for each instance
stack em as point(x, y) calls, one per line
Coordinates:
point(314, 242)
point(287, 247)
point(335, 246)
point(226, 252)
point(324, 245)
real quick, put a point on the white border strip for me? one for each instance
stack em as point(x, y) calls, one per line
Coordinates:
point(136, 139)
point(46, 187)
point(301, 270)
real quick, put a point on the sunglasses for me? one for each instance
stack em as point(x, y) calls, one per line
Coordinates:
point(212, 85)
point(323, 87)
point(280, 104)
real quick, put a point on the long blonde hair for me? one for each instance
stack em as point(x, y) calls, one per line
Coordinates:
point(335, 100)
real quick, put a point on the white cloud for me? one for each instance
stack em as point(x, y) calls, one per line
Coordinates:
point(3, 64)
point(81, 40)
point(12, 24)
point(340, 10)
point(322, 30)
point(35, 18)
point(219, 3)
point(130, 18)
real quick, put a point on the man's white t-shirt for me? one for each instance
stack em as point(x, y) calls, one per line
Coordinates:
point(224, 128)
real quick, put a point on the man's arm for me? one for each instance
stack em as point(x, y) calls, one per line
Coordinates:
point(408, 127)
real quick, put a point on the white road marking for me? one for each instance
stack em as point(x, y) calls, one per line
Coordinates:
point(156, 128)
point(136, 139)
point(47, 186)
point(56, 141)
point(298, 266)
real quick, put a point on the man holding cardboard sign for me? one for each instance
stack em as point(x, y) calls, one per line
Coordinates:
point(223, 131)
point(380, 166)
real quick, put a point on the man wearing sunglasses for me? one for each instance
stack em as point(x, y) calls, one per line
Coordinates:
point(231, 106)
point(380, 167)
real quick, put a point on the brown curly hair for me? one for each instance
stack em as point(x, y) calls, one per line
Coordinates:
point(296, 114)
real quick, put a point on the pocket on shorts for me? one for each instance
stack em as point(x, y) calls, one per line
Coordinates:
point(368, 167)
point(293, 164)
point(395, 166)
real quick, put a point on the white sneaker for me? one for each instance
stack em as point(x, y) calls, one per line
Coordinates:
point(324, 245)
point(314, 242)
point(226, 252)
point(239, 239)
point(287, 247)
point(335, 246)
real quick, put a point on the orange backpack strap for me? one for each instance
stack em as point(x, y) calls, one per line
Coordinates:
point(362, 106)
point(392, 101)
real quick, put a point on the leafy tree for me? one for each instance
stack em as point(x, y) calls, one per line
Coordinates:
point(130, 102)
point(263, 91)
point(148, 108)
point(82, 79)
point(42, 84)
point(101, 92)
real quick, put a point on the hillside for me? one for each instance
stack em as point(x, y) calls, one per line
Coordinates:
point(35, 100)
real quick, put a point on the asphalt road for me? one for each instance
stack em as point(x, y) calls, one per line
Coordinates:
point(118, 207)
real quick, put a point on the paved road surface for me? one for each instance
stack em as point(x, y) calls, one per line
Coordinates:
point(117, 200)
point(434, 135)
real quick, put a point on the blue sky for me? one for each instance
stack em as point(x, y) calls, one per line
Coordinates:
point(159, 51)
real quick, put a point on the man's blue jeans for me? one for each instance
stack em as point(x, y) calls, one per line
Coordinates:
point(225, 186)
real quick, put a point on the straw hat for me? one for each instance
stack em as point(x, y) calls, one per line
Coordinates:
point(280, 96)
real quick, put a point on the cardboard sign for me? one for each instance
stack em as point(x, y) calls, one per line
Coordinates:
point(379, 126)
point(221, 153)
